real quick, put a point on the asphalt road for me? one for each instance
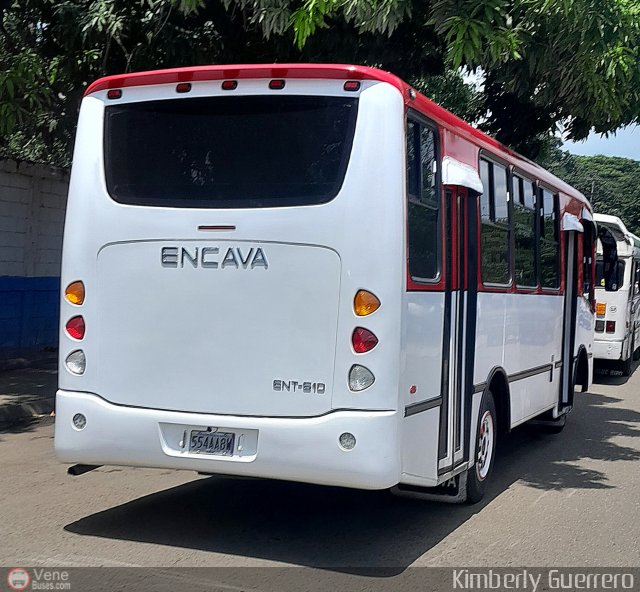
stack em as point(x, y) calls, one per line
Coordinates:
point(556, 500)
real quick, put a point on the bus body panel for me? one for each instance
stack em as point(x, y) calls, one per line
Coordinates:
point(532, 345)
point(296, 449)
point(420, 383)
point(234, 339)
point(621, 309)
point(420, 444)
point(422, 358)
point(521, 334)
point(584, 334)
point(277, 317)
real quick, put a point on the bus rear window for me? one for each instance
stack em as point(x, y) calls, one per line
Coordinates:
point(229, 152)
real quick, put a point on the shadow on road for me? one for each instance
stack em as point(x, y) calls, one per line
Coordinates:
point(27, 394)
point(610, 372)
point(28, 424)
point(334, 528)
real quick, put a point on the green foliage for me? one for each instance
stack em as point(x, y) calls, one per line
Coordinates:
point(51, 50)
point(451, 92)
point(478, 33)
point(545, 62)
point(609, 182)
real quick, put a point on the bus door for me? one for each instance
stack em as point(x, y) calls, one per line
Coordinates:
point(461, 229)
point(567, 379)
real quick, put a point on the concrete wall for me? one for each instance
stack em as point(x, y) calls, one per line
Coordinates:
point(32, 204)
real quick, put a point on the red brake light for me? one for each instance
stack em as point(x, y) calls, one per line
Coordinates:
point(363, 340)
point(352, 85)
point(75, 327)
point(611, 327)
point(114, 93)
point(183, 87)
point(229, 85)
point(276, 84)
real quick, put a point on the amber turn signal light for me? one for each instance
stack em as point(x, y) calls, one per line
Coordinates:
point(75, 293)
point(365, 303)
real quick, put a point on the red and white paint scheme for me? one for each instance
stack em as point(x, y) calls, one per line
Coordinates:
point(312, 273)
point(617, 327)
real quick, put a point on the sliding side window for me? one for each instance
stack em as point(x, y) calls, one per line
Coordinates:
point(494, 231)
point(524, 231)
point(549, 240)
point(423, 202)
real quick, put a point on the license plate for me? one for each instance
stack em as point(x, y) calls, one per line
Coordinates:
point(601, 308)
point(218, 443)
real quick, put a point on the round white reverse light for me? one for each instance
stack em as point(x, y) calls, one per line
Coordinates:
point(79, 421)
point(347, 441)
point(360, 378)
point(76, 362)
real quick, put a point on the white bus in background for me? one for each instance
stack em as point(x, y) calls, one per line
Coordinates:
point(311, 273)
point(617, 328)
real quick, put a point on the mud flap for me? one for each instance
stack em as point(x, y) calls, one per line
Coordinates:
point(452, 491)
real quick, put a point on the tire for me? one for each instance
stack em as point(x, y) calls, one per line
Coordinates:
point(626, 365)
point(485, 450)
point(635, 355)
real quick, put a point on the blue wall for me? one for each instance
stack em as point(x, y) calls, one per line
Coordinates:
point(28, 314)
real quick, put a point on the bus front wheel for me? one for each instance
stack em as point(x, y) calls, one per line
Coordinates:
point(485, 450)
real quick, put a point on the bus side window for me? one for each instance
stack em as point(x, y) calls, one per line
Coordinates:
point(423, 208)
point(494, 231)
point(524, 230)
point(549, 252)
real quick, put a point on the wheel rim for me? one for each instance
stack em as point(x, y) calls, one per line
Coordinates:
point(486, 439)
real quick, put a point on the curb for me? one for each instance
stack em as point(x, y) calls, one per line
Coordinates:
point(12, 413)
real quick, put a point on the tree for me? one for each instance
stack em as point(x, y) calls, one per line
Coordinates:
point(544, 61)
point(575, 62)
point(609, 182)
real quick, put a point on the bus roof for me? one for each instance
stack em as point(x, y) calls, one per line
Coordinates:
point(340, 72)
point(620, 232)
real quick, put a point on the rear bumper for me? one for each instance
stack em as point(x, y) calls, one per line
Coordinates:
point(607, 350)
point(294, 449)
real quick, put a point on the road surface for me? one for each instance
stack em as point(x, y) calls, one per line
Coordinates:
point(555, 500)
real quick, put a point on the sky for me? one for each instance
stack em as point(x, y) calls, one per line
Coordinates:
point(625, 143)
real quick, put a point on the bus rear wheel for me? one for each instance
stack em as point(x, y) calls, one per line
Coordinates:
point(485, 450)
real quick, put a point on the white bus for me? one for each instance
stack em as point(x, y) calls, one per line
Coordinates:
point(617, 327)
point(311, 273)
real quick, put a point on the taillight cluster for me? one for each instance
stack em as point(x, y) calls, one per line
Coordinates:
point(363, 340)
point(75, 327)
point(608, 326)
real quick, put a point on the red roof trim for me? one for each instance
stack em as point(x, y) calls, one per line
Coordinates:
point(222, 72)
point(337, 72)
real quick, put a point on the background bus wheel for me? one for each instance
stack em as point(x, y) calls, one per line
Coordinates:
point(485, 450)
